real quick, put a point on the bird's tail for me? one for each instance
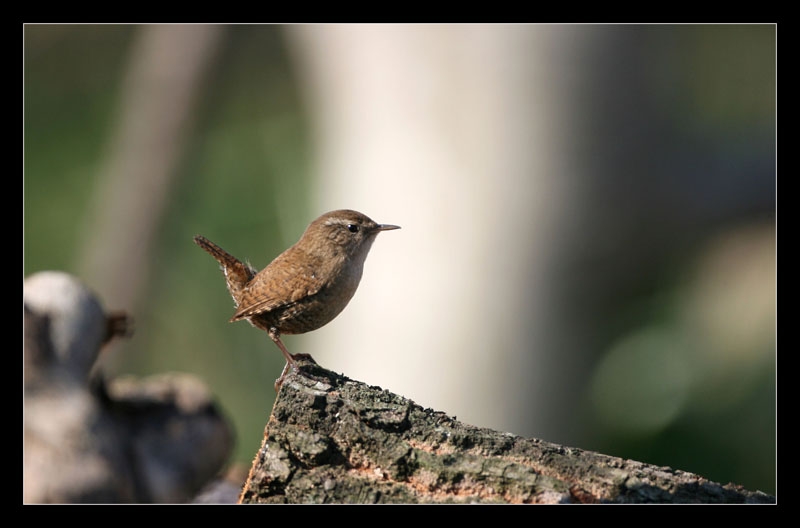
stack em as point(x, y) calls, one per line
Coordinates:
point(237, 273)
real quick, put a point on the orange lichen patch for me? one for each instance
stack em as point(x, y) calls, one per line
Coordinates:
point(425, 484)
point(579, 494)
point(598, 490)
point(371, 473)
point(544, 470)
point(441, 449)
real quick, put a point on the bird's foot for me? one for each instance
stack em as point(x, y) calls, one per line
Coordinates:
point(289, 367)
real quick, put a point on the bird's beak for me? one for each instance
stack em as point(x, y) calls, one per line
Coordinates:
point(387, 227)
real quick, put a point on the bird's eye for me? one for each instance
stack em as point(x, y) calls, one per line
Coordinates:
point(353, 228)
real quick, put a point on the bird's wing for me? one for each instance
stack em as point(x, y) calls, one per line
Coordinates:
point(279, 284)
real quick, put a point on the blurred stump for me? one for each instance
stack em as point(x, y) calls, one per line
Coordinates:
point(84, 440)
point(334, 440)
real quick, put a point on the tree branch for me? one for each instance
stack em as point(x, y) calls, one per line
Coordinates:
point(334, 440)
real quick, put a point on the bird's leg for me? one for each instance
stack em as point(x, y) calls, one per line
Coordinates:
point(290, 362)
point(276, 337)
point(279, 381)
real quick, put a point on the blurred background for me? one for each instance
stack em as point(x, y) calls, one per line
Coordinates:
point(587, 253)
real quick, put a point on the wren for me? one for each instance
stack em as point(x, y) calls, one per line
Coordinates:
point(306, 286)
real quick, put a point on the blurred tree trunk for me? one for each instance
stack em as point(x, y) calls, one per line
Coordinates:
point(167, 67)
point(458, 133)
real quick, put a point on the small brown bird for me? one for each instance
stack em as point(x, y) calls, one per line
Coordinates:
point(307, 285)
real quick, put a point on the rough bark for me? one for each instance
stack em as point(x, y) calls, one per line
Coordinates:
point(331, 439)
